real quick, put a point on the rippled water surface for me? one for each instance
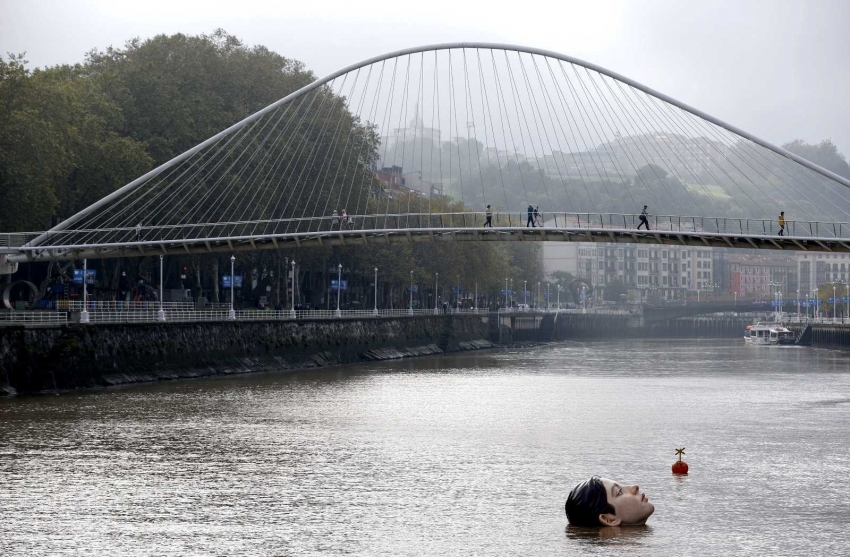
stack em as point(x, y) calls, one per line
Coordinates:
point(461, 455)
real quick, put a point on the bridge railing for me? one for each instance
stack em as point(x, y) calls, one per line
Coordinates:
point(16, 239)
point(324, 225)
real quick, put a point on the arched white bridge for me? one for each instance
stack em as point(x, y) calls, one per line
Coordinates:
point(414, 145)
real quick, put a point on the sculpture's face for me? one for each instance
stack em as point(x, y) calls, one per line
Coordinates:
point(631, 506)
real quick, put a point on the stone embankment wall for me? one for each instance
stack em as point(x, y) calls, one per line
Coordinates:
point(823, 335)
point(589, 326)
point(36, 360)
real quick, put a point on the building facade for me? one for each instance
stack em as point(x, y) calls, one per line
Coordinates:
point(647, 271)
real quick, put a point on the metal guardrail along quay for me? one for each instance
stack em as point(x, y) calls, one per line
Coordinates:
point(56, 318)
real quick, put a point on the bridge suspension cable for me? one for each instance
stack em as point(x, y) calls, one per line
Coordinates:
point(455, 128)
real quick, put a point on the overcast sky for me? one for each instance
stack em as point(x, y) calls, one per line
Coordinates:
point(778, 69)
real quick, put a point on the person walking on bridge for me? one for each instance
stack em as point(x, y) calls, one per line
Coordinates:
point(488, 214)
point(782, 223)
point(334, 220)
point(530, 221)
point(644, 219)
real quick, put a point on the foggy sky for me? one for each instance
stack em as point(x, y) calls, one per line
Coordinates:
point(776, 69)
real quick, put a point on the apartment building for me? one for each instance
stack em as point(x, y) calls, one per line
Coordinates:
point(760, 275)
point(815, 269)
point(648, 272)
point(677, 272)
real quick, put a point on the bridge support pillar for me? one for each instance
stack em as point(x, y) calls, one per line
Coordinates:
point(160, 315)
point(7, 267)
point(292, 314)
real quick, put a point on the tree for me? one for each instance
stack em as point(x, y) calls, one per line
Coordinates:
point(615, 291)
point(71, 134)
point(823, 154)
point(60, 147)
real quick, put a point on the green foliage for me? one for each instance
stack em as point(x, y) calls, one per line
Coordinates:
point(60, 147)
point(71, 134)
point(176, 91)
point(615, 291)
point(823, 154)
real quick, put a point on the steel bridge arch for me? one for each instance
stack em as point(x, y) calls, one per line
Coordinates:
point(429, 48)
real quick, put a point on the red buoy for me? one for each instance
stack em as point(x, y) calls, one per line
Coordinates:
point(680, 467)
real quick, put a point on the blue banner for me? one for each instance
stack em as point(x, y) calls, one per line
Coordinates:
point(91, 276)
point(337, 285)
point(237, 281)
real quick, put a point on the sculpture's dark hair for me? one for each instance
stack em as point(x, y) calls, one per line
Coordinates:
point(586, 502)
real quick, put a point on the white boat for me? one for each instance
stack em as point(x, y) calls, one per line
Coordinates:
point(768, 334)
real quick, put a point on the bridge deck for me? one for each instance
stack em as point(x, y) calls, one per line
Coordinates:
point(406, 235)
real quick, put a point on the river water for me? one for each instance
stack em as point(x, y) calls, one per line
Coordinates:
point(471, 454)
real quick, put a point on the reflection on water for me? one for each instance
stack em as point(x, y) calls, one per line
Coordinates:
point(469, 454)
point(610, 536)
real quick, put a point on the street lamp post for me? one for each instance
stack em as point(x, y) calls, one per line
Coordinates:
point(292, 309)
point(436, 290)
point(160, 315)
point(775, 299)
point(537, 298)
point(410, 310)
point(807, 305)
point(798, 302)
point(547, 295)
point(506, 291)
point(375, 312)
point(84, 315)
point(817, 303)
point(232, 313)
point(833, 302)
point(511, 294)
point(558, 288)
point(475, 300)
point(525, 291)
point(338, 313)
point(457, 298)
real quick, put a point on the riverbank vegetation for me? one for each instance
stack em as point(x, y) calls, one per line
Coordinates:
point(71, 134)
